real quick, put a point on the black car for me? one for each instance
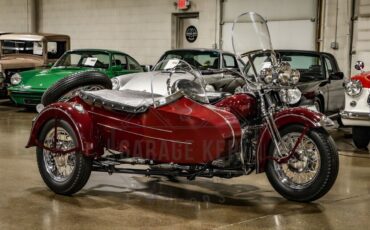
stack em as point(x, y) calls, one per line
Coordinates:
point(220, 69)
point(321, 79)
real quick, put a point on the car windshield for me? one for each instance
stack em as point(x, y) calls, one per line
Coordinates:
point(308, 64)
point(22, 47)
point(200, 60)
point(93, 59)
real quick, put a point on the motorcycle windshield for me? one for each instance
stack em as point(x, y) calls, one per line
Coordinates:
point(250, 33)
point(169, 80)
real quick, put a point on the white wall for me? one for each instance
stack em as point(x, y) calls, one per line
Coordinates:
point(142, 28)
point(13, 16)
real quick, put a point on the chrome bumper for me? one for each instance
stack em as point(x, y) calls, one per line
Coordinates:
point(355, 115)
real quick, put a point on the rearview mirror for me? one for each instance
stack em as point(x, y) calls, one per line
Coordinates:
point(336, 76)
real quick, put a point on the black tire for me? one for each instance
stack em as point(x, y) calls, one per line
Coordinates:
point(361, 136)
point(340, 122)
point(327, 172)
point(82, 169)
point(319, 105)
point(74, 81)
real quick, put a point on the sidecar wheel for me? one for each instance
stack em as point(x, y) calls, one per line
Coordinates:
point(63, 173)
point(311, 174)
point(361, 137)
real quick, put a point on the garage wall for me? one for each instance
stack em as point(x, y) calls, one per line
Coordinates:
point(361, 34)
point(141, 28)
point(292, 23)
point(13, 15)
point(337, 28)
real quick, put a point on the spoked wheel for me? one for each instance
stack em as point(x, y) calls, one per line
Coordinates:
point(64, 173)
point(310, 172)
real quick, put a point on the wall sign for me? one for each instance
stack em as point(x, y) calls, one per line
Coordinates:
point(183, 4)
point(191, 34)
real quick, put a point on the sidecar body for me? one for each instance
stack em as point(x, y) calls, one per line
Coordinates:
point(145, 120)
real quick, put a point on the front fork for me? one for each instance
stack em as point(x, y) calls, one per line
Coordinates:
point(267, 114)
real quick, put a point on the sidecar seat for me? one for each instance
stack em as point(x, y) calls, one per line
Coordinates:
point(129, 101)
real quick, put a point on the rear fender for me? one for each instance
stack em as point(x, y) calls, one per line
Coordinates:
point(75, 115)
point(297, 115)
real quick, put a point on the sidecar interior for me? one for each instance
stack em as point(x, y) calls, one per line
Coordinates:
point(127, 100)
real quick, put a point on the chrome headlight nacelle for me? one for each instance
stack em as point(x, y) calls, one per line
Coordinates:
point(16, 79)
point(353, 88)
point(290, 96)
point(115, 83)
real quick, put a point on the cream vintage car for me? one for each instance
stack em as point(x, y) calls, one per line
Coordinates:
point(20, 52)
point(357, 106)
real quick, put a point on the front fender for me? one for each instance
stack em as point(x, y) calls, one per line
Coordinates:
point(283, 118)
point(76, 116)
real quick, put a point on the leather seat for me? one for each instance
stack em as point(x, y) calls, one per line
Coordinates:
point(129, 101)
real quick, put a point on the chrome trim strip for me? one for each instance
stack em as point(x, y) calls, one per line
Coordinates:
point(113, 118)
point(355, 115)
point(138, 134)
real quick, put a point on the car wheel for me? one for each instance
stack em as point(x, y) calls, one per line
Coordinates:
point(63, 173)
point(361, 137)
point(69, 87)
point(318, 104)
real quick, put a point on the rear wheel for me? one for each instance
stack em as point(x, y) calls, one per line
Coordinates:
point(70, 86)
point(310, 173)
point(63, 173)
point(319, 105)
point(361, 136)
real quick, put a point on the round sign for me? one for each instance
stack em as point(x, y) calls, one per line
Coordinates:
point(191, 34)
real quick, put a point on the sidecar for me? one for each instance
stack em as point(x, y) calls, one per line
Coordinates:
point(164, 117)
point(357, 106)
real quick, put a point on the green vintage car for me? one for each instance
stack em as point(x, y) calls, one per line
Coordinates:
point(28, 87)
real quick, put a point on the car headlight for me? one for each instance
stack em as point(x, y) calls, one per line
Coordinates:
point(115, 83)
point(15, 79)
point(353, 88)
point(266, 75)
point(290, 96)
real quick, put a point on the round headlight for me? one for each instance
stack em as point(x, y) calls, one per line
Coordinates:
point(353, 88)
point(290, 96)
point(15, 79)
point(115, 83)
point(266, 75)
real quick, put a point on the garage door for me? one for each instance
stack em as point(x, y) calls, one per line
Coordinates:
point(361, 35)
point(291, 22)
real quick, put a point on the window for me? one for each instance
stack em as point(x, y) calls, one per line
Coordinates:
point(95, 59)
point(22, 47)
point(56, 49)
point(120, 60)
point(328, 65)
point(133, 65)
point(201, 60)
point(229, 61)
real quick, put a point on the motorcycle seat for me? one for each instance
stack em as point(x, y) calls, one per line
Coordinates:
point(129, 101)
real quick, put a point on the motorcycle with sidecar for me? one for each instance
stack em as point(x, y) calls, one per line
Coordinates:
point(164, 120)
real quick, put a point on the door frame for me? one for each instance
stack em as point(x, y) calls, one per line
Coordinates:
point(176, 19)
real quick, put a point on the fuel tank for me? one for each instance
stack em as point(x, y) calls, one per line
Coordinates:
point(242, 105)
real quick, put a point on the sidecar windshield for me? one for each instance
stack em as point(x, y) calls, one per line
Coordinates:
point(169, 80)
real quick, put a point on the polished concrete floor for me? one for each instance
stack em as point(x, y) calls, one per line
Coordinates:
point(130, 201)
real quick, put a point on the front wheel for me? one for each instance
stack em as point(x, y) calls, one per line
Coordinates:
point(63, 173)
point(311, 172)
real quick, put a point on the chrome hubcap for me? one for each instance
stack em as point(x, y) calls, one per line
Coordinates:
point(75, 91)
point(59, 166)
point(303, 167)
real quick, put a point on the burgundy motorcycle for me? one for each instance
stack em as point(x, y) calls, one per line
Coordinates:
point(163, 119)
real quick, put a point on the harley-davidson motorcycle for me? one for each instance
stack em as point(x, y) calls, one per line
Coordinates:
point(164, 120)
